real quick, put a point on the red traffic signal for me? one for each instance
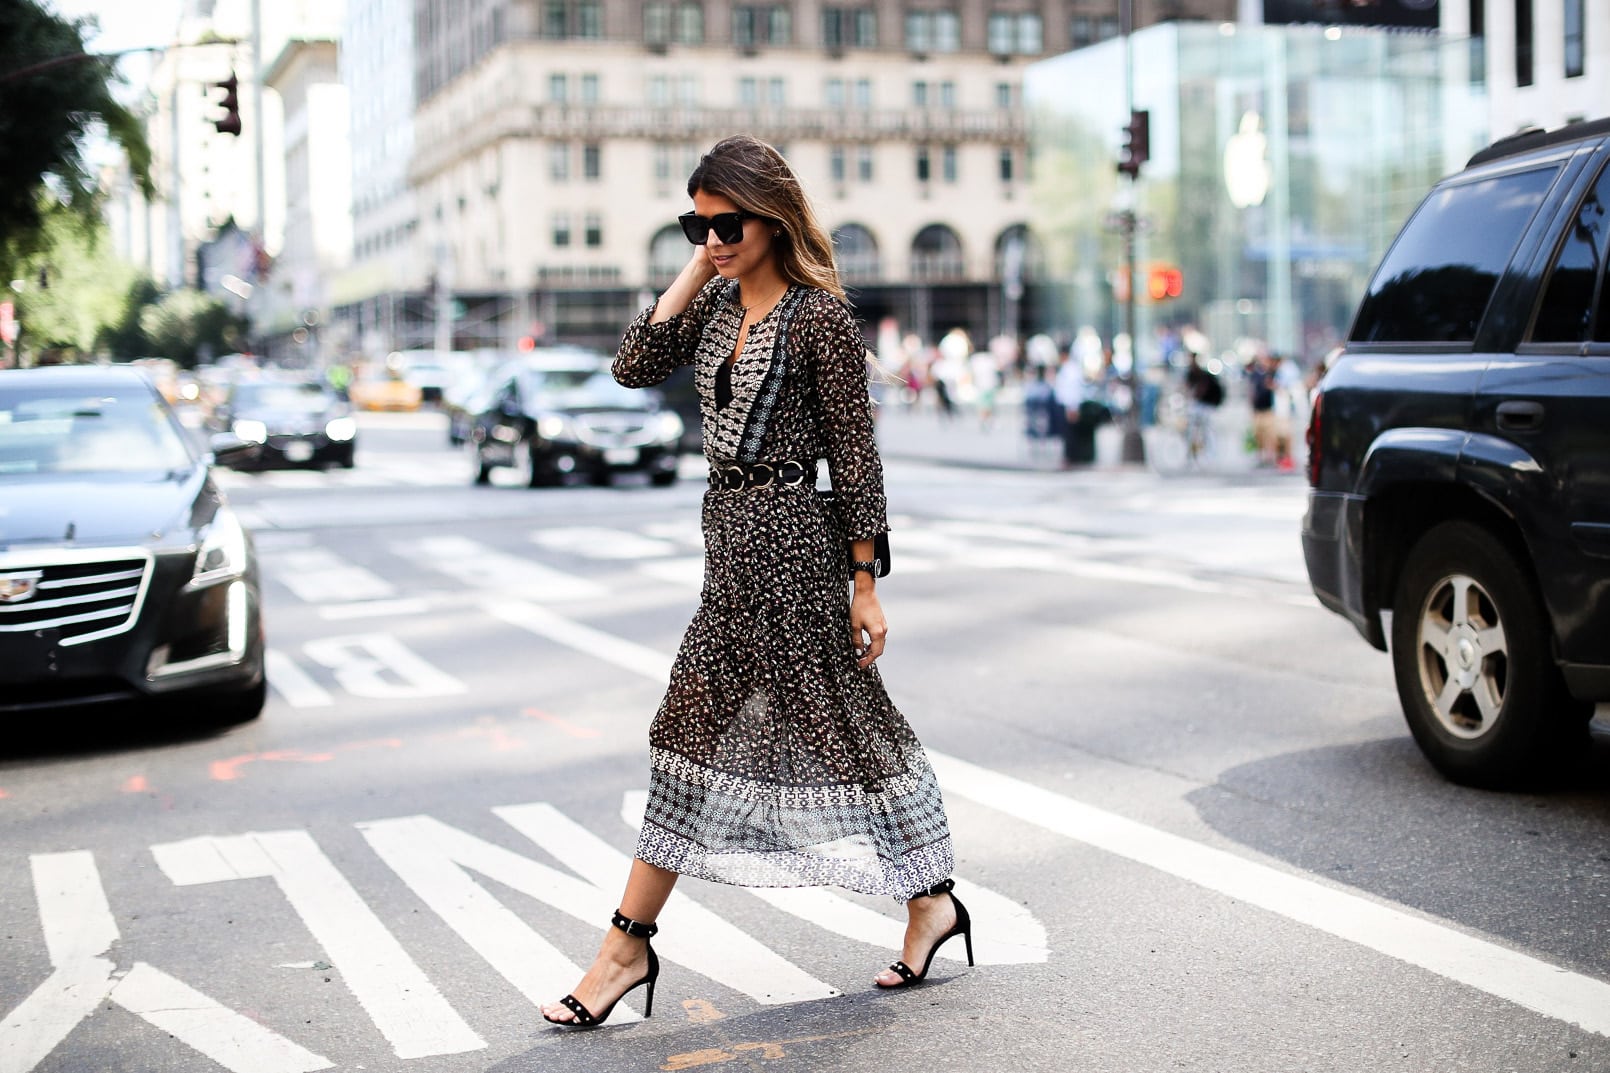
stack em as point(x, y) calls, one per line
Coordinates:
point(1164, 282)
point(230, 121)
point(1137, 147)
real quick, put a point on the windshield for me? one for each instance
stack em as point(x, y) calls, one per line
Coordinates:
point(297, 398)
point(587, 391)
point(60, 431)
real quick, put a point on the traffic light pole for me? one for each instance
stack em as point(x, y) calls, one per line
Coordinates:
point(1134, 445)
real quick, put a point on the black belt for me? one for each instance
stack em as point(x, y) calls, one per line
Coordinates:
point(740, 476)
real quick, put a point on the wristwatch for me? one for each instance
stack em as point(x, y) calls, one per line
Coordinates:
point(869, 565)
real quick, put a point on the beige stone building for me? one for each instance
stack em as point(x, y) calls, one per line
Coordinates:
point(553, 139)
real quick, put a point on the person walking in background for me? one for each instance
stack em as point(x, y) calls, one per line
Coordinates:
point(986, 374)
point(1039, 404)
point(1069, 392)
point(1261, 397)
point(776, 756)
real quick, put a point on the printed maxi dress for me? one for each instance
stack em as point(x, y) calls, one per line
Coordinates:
point(775, 760)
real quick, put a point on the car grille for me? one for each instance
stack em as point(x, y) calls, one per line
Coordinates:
point(82, 596)
point(615, 430)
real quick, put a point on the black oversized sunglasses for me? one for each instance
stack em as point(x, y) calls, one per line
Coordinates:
point(728, 226)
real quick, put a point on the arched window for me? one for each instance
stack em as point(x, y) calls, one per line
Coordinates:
point(1018, 252)
point(668, 251)
point(936, 254)
point(857, 254)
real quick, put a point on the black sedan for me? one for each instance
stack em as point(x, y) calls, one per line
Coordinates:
point(293, 422)
point(557, 414)
point(123, 573)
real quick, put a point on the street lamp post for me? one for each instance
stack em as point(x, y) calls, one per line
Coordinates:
point(1137, 149)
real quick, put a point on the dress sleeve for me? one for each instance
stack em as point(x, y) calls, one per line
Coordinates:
point(838, 353)
point(650, 353)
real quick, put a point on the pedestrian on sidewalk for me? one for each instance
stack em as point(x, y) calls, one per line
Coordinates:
point(1078, 436)
point(776, 756)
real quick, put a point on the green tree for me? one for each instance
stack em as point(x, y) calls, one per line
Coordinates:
point(125, 337)
point(188, 326)
point(74, 288)
point(52, 93)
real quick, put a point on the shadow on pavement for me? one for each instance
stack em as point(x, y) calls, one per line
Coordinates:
point(103, 729)
point(1531, 868)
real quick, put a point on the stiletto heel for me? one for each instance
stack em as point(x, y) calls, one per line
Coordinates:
point(585, 1018)
point(962, 927)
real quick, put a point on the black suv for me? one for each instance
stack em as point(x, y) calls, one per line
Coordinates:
point(1459, 454)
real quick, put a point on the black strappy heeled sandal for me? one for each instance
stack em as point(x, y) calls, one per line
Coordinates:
point(962, 927)
point(585, 1018)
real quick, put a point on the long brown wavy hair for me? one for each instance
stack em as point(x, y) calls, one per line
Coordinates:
point(755, 177)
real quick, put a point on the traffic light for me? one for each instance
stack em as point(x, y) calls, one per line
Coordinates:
point(230, 123)
point(1164, 282)
point(1137, 143)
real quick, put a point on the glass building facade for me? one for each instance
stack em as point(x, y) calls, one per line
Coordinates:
point(1283, 160)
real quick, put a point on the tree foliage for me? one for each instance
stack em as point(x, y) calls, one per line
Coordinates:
point(51, 94)
point(189, 327)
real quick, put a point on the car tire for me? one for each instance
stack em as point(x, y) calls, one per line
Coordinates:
point(230, 709)
point(1473, 660)
point(478, 466)
point(663, 480)
point(601, 478)
point(349, 460)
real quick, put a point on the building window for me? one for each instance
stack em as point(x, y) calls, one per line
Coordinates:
point(561, 229)
point(1523, 42)
point(833, 93)
point(1106, 27)
point(687, 90)
point(845, 27)
point(947, 32)
point(835, 163)
point(1030, 34)
point(662, 162)
point(863, 93)
point(863, 163)
point(947, 95)
point(589, 89)
point(919, 31)
point(689, 24)
point(923, 166)
point(1574, 52)
point(594, 231)
point(1008, 160)
point(554, 18)
point(936, 254)
point(592, 162)
point(780, 25)
point(777, 93)
point(753, 26)
point(657, 22)
point(590, 20)
point(748, 93)
point(659, 91)
point(919, 94)
point(558, 89)
point(1003, 95)
point(949, 163)
point(856, 252)
point(559, 162)
point(1081, 31)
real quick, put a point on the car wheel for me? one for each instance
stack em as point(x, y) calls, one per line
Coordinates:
point(663, 480)
point(349, 460)
point(228, 709)
point(601, 478)
point(1473, 661)
point(478, 466)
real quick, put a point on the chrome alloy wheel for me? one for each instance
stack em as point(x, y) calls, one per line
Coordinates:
point(1463, 657)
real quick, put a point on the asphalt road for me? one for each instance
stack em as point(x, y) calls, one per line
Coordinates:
point(1192, 829)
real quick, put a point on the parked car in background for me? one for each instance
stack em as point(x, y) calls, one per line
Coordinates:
point(556, 413)
point(429, 370)
point(1459, 456)
point(294, 422)
point(123, 573)
point(462, 400)
point(382, 387)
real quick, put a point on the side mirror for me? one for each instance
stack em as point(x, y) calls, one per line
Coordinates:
point(228, 449)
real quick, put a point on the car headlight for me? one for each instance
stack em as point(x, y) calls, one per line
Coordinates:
point(668, 426)
point(223, 550)
point(251, 431)
point(552, 427)
point(341, 428)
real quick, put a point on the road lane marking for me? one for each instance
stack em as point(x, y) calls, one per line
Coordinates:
point(379, 665)
point(572, 634)
point(686, 571)
point(597, 542)
point(318, 575)
point(79, 931)
point(292, 683)
point(1431, 945)
point(1427, 944)
point(392, 989)
point(482, 567)
point(401, 608)
point(693, 935)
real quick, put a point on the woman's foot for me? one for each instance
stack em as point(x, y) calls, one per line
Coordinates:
point(929, 918)
point(622, 963)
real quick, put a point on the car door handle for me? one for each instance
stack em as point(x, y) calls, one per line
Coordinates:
point(1520, 416)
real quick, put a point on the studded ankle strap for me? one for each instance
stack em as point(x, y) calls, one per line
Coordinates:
point(937, 889)
point(635, 928)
